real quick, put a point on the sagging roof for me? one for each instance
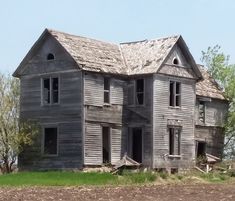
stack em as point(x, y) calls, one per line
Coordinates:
point(132, 58)
point(208, 87)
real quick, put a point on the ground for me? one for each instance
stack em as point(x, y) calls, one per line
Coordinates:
point(195, 192)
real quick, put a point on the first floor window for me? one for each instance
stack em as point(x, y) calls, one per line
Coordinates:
point(50, 90)
point(50, 141)
point(174, 141)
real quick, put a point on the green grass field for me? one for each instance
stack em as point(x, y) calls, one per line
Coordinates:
point(66, 178)
point(57, 178)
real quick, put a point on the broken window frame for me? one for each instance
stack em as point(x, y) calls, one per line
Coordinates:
point(174, 134)
point(44, 152)
point(109, 144)
point(175, 94)
point(139, 92)
point(202, 111)
point(52, 93)
point(106, 90)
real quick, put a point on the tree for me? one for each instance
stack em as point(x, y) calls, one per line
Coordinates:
point(14, 135)
point(217, 64)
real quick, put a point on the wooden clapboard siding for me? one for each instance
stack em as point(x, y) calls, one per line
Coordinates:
point(93, 144)
point(215, 113)
point(162, 112)
point(214, 138)
point(116, 141)
point(66, 116)
point(93, 89)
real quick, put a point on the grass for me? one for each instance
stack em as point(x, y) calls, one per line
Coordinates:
point(66, 178)
point(57, 178)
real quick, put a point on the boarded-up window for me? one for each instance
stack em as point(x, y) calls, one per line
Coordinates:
point(50, 141)
point(139, 91)
point(50, 90)
point(201, 109)
point(175, 94)
point(106, 90)
point(174, 141)
point(106, 144)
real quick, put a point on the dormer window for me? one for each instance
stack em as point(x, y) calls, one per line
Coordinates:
point(175, 61)
point(50, 56)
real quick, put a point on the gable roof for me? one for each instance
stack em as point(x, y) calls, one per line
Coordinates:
point(133, 58)
point(208, 87)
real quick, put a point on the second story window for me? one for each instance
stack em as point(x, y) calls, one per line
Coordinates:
point(139, 91)
point(106, 90)
point(201, 111)
point(50, 89)
point(175, 94)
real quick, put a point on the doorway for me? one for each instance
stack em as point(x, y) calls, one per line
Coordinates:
point(135, 142)
point(201, 149)
point(106, 145)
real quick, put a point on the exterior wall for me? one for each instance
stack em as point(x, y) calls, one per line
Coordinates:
point(214, 138)
point(215, 113)
point(211, 131)
point(98, 114)
point(163, 115)
point(66, 116)
point(117, 115)
point(140, 116)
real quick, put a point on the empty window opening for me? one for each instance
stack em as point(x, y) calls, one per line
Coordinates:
point(202, 107)
point(50, 90)
point(175, 94)
point(201, 149)
point(140, 91)
point(50, 56)
point(134, 148)
point(174, 141)
point(175, 61)
point(106, 145)
point(106, 90)
point(50, 141)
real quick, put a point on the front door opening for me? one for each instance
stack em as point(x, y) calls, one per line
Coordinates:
point(201, 149)
point(106, 144)
point(135, 144)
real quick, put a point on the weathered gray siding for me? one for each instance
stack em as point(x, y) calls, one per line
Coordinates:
point(211, 131)
point(140, 115)
point(66, 116)
point(214, 138)
point(215, 112)
point(163, 115)
point(98, 114)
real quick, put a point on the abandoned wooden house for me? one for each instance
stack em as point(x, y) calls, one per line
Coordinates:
point(96, 101)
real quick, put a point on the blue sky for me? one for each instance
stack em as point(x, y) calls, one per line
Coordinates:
point(202, 23)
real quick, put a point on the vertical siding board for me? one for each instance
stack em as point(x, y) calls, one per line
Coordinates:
point(93, 144)
point(94, 89)
point(116, 135)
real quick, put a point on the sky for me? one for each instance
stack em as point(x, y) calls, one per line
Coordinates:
point(202, 23)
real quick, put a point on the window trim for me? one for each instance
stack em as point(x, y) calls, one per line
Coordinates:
point(107, 90)
point(51, 90)
point(43, 140)
point(204, 111)
point(135, 92)
point(174, 94)
point(179, 141)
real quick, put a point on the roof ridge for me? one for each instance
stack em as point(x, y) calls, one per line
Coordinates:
point(149, 40)
point(78, 36)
